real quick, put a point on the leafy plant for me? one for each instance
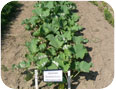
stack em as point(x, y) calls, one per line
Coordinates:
point(108, 16)
point(8, 12)
point(55, 44)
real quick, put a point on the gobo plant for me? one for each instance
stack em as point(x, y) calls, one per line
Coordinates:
point(55, 44)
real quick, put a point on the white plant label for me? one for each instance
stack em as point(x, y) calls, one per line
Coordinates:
point(53, 76)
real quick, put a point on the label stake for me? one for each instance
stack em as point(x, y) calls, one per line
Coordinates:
point(69, 84)
point(36, 79)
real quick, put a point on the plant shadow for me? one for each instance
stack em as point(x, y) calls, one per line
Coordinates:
point(5, 28)
point(79, 33)
point(88, 76)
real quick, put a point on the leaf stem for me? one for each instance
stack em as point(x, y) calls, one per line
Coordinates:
point(32, 68)
point(65, 75)
point(75, 75)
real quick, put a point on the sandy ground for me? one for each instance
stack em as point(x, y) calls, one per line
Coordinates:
point(101, 39)
point(100, 46)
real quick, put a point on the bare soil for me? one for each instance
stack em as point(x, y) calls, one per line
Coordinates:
point(101, 49)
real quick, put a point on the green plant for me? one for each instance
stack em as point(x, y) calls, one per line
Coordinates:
point(108, 16)
point(55, 43)
point(7, 12)
point(4, 68)
point(104, 4)
point(94, 2)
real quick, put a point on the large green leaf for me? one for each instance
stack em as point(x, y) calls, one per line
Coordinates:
point(36, 33)
point(42, 62)
point(33, 20)
point(71, 5)
point(71, 22)
point(56, 21)
point(55, 25)
point(62, 64)
point(26, 21)
point(32, 46)
point(29, 76)
point(52, 66)
point(75, 17)
point(80, 51)
point(42, 13)
point(54, 41)
point(78, 39)
point(46, 28)
point(66, 46)
point(50, 37)
point(42, 47)
point(30, 57)
point(84, 66)
point(37, 11)
point(41, 55)
point(50, 27)
point(79, 28)
point(68, 54)
point(67, 36)
point(62, 56)
point(75, 65)
point(28, 27)
point(74, 28)
point(24, 64)
point(66, 67)
point(50, 4)
point(65, 9)
point(52, 51)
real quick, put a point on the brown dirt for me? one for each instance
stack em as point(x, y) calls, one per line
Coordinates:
point(101, 38)
point(101, 46)
point(13, 49)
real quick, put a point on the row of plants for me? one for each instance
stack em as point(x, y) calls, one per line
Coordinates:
point(7, 12)
point(55, 42)
point(103, 7)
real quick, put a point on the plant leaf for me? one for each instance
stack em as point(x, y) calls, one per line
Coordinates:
point(42, 47)
point(75, 65)
point(84, 66)
point(42, 62)
point(78, 39)
point(75, 17)
point(52, 66)
point(29, 76)
point(80, 51)
point(33, 20)
point(54, 41)
point(42, 13)
point(32, 46)
point(24, 64)
point(52, 51)
point(30, 57)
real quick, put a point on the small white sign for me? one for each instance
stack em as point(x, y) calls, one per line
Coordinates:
point(53, 76)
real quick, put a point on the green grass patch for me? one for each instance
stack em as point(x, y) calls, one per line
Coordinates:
point(108, 16)
point(103, 7)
